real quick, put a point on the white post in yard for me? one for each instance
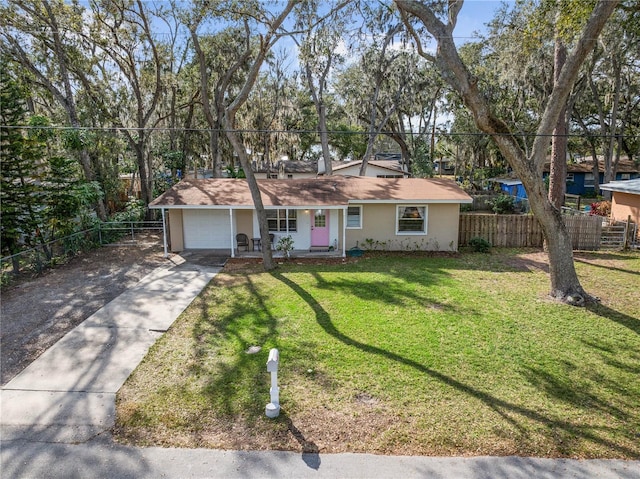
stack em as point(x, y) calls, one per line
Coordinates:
point(273, 408)
point(164, 233)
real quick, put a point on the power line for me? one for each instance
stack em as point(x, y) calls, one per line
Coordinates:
point(300, 132)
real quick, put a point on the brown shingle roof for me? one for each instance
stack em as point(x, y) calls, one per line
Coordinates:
point(624, 166)
point(325, 191)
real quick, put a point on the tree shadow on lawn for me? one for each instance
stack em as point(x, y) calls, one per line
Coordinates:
point(630, 322)
point(584, 259)
point(387, 291)
point(263, 332)
point(502, 407)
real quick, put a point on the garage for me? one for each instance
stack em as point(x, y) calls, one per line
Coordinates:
point(206, 229)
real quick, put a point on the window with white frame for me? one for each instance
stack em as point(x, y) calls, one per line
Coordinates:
point(570, 177)
point(411, 220)
point(284, 220)
point(589, 179)
point(625, 176)
point(354, 217)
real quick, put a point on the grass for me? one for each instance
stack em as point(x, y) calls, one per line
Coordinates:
point(403, 354)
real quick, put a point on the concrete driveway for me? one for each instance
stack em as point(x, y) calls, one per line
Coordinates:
point(67, 395)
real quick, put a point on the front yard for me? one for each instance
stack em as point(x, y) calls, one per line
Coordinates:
point(400, 354)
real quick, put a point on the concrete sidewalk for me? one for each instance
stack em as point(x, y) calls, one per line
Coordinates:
point(103, 459)
point(56, 415)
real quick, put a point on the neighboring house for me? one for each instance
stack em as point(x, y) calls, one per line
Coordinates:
point(130, 186)
point(288, 169)
point(375, 169)
point(581, 180)
point(285, 169)
point(330, 212)
point(625, 200)
point(444, 166)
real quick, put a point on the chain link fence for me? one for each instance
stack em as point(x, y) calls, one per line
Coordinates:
point(51, 253)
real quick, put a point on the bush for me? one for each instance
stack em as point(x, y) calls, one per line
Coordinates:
point(134, 210)
point(285, 243)
point(502, 204)
point(480, 245)
point(466, 207)
point(600, 208)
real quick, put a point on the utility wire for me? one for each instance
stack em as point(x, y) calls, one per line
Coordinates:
point(299, 132)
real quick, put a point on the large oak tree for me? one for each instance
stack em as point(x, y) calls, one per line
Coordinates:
point(565, 284)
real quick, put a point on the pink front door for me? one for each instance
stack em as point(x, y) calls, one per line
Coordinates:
point(320, 228)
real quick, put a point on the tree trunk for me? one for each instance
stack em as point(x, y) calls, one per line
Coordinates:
point(558, 166)
point(318, 100)
point(230, 119)
point(324, 139)
point(214, 123)
point(565, 284)
point(611, 163)
point(238, 147)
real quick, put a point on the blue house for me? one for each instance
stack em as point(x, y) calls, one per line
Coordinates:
point(581, 180)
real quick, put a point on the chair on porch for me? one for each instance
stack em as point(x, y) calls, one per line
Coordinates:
point(242, 241)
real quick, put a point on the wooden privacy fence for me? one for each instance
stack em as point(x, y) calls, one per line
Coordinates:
point(500, 230)
point(517, 231)
point(585, 231)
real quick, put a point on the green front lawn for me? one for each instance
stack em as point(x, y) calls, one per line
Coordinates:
point(401, 354)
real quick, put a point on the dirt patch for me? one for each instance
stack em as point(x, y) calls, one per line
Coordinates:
point(37, 311)
point(534, 260)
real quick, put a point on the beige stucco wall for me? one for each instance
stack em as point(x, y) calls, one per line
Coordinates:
point(176, 231)
point(379, 224)
point(244, 222)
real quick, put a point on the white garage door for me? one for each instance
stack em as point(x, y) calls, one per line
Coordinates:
point(206, 229)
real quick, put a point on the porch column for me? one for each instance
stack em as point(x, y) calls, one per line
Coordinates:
point(344, 231)
point(164, 233)
point(233, 250)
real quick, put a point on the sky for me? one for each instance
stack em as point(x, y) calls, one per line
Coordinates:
point(473, 17)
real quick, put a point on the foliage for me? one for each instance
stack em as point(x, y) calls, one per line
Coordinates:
point(480, 245)
point(234, 172)
point(21, 155)
point(134, 210)
point(502, 204)
point(63, 191)
point(464, 208)
point(162, 182)
point(600, 208)
point(422, 162)
point(285, 244)
point(349, 141)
